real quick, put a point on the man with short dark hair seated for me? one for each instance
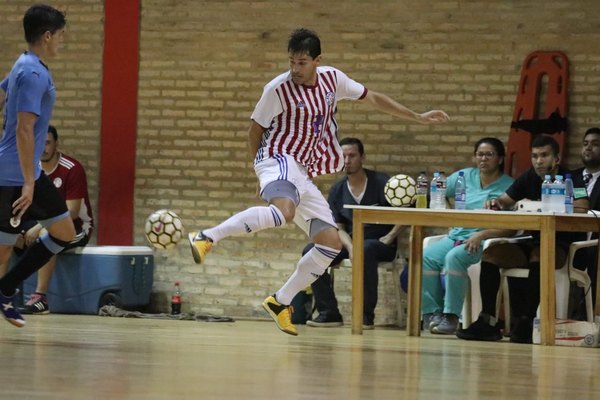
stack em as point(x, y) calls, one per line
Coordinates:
point(364, 187)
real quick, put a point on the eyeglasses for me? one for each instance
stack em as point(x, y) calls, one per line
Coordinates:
point(485, 154)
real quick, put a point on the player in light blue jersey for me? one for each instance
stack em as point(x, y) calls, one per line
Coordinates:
point(25, 192)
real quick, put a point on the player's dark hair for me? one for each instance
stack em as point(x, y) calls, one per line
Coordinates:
point(53, 131)
point(304, 41)
point(592, 131)
point(41, 18)
point(496, 144)
point(353, 141)
point(545, 140)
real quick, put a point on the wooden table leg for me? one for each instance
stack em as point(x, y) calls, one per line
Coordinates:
point(357, 272)
point(547, 281)
point(414, 281)
point(597, 304)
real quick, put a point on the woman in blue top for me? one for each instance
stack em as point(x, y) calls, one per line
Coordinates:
point(462, 247)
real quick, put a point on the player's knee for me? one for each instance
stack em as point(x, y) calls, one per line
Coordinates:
point(324, 233)
point(283, 195)
point(289, 215)
point(338, 244)
point(330, 239)
point(66, 236)
point(53, 244)
point(63, 231)
point(286, 207)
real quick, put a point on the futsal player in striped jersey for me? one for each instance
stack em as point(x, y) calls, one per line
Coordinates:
point(293, 138)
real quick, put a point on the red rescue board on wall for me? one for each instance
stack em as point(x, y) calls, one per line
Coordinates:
point(541, 107)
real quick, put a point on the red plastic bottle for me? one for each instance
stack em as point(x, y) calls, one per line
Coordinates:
point(176, 300)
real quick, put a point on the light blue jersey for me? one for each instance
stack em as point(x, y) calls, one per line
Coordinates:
point(29, 88)
point(476, 196)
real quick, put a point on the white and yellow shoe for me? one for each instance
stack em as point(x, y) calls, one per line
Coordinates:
point(282, 315)
point(200, 246)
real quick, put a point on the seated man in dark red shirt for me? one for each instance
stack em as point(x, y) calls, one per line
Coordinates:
point(68, 176)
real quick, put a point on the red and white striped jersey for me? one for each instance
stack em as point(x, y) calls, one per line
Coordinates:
point(300, 120)
point(69, 179)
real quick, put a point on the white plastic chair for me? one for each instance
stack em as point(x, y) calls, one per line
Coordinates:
point(563, 277)
point(472, 303)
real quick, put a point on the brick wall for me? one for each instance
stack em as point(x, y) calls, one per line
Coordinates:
point(204, 63)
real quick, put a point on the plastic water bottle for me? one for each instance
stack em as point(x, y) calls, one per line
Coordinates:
point(460, 192)
point(558, 194)
point(422, 190)
point(436, 193)
point(441, 189)
point(433, 191)
point(546, 187)
point(569, 194)
point(176, 300)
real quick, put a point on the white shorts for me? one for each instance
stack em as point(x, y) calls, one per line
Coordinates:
point(313, 204)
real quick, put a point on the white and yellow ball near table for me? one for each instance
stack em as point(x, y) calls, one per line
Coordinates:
point(400, 190)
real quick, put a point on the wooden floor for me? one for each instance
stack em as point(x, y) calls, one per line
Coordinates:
point(89, 357)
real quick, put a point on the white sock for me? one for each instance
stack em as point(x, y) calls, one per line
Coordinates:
point(310, 267)
point(253, 219)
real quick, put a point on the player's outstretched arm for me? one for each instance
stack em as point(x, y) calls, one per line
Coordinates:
point(384, 103)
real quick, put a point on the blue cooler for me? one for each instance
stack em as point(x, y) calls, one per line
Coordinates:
point(88, 278)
